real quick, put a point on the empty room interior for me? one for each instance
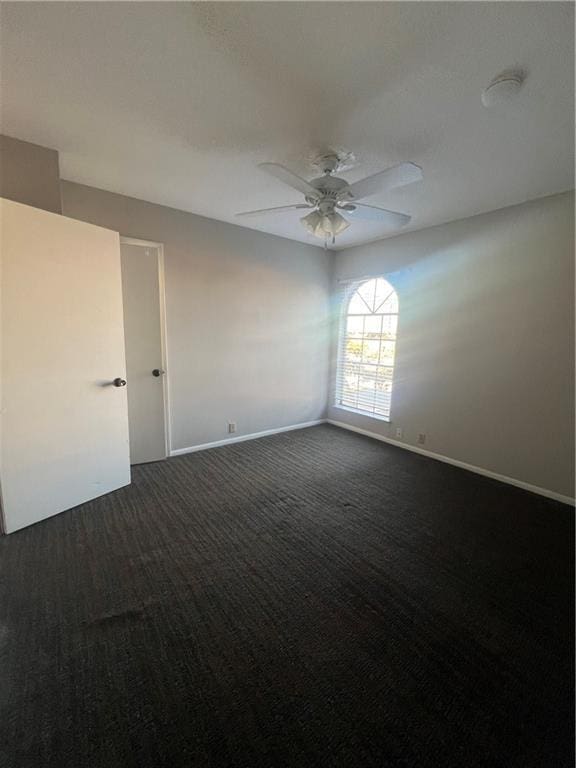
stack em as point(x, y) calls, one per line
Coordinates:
point(287, 384)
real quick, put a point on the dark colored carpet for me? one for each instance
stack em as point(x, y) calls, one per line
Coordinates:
point(314, 598)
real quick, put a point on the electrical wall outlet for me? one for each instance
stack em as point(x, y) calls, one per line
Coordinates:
point(398, 431)
point(231, 427)
point(421, 439)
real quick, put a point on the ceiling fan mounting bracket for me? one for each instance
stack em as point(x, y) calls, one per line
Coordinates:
point(332, 160)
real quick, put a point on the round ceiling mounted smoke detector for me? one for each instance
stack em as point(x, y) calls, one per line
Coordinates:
point(503, 88)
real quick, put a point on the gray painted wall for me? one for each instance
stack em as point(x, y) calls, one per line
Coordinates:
point(485, 351)
point(485, 356)
point(29, 174)
point(247, 317)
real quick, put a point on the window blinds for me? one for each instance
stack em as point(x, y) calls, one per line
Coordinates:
point(366, 347)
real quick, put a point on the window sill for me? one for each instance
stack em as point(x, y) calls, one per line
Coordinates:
point(367, 414)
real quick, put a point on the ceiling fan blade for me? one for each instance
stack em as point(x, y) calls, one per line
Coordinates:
point(397, 176)
point(363, 212)
point(283, 174)
point(275, 210)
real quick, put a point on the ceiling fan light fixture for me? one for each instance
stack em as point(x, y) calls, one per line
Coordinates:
point(311, 222)
point(333, 223)
point(325, 225)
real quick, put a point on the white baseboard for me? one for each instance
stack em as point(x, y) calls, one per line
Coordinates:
point(462, 464)
point(241, 438)
point(437, 456)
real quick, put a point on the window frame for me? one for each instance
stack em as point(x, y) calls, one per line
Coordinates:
point(349, 290)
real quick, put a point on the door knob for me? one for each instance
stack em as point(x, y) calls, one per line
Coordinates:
point(158, 372)
point(119, 382)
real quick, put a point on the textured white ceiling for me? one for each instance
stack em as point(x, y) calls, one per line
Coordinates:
point(177, 103)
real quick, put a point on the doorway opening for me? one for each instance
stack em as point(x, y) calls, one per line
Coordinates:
point(146, 359)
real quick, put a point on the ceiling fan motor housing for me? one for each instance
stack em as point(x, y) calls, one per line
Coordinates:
point(331, 189)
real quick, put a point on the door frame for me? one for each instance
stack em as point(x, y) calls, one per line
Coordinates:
point(163, 331)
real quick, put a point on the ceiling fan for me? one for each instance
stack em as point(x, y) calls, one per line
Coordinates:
point(328, 195)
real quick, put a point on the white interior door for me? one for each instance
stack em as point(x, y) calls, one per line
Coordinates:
point(143, 291)
point(64, 422)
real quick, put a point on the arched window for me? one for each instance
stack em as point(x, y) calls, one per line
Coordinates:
point(367, 346)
